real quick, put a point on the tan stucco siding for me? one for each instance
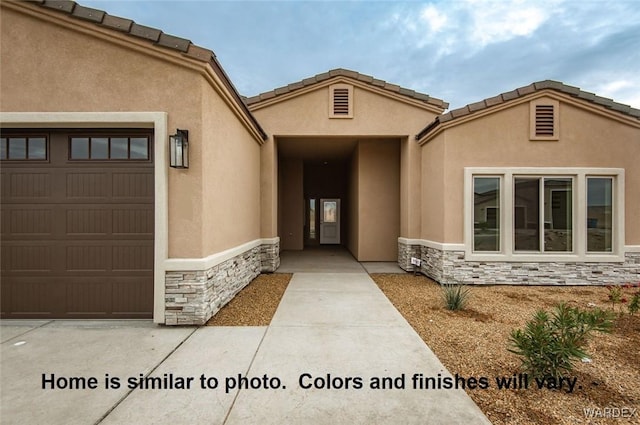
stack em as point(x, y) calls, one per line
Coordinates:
point(378, 200)
point(411, 188)
point(501, 139)
point(433, 190)
point(231, 177)
point(354, 202)
point(291, 205)
point(214, 204)
point(77, 72)
point(373, 115)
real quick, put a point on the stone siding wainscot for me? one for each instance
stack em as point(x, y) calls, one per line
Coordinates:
point(193, 297)
point(450, 267)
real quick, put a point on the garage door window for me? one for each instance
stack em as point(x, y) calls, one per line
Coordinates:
point(21, 148)
point(109, 148)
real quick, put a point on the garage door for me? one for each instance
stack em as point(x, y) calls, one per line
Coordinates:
point(77, 224)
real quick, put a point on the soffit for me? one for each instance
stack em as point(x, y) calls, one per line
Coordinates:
point(315, 148)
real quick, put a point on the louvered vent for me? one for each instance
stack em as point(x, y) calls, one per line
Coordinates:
point(545, 121)
point(340, 101)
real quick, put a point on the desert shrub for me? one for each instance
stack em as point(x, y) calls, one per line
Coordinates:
point(455, 296)
point(550, 344)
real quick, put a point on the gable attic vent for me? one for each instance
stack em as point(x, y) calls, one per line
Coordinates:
point(545, 121)
point(341, 101)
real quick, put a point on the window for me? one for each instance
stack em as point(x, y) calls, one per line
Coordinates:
point(544, 214)
point(599, 214)
point(486, 218)
point(23, 148)
point(545, 229)
point(544, 119)
point(340, 101)
point(109, 148)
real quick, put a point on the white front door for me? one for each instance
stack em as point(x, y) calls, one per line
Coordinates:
point(329, 221)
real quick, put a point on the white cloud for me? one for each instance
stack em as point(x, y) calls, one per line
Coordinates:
point(435, 19)
point(497, 22)
point(470, 25)
point(625, 91)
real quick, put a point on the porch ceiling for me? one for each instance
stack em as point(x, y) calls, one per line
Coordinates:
point(316, 148)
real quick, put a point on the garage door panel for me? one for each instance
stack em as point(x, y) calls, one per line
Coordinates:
point(88, 258)
point(29, 297)
point(133, 258)
point(88, 296)
point(77, 235)
point(136, 221)
point(87, 221)
point(133, 185)
point(135, 297)
point(27, 184)
point(28, 258)
point(29, 221)
point(87, 185)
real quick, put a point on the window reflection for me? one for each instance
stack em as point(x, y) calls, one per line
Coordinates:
point(330, 212)
point(599, 214)
point(486, 214)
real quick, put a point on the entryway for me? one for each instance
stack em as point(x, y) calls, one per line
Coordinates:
point(321, 259)
point(340, 191)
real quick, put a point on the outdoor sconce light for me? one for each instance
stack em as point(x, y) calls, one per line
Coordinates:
point(179, 149)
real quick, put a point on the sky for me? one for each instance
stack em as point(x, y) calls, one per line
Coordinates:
point(460, 51)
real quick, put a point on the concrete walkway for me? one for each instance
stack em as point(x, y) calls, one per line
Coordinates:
point(333, 334)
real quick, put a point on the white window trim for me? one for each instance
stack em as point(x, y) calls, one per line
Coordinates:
point(579, 253)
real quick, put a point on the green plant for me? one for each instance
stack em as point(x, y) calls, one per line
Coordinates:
point(550, 344)
point(455, 295)
point(619, 293)
point(634, 304)
point(615, 295)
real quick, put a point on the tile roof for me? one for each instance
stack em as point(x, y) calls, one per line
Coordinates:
point(340, 72)
point(152, 35)
point(523, 91)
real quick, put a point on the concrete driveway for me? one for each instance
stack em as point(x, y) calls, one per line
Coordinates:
point(332, 336)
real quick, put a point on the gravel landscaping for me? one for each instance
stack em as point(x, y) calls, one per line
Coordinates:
point(473, 343)
point(254, 305)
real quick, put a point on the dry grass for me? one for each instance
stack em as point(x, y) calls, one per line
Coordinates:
point(256, 304)
point(473, 342)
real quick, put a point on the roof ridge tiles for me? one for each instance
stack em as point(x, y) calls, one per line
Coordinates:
point(342, 72)
point(559, 86)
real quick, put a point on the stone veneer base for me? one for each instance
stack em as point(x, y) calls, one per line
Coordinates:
point(450, 266)
point(193, 297)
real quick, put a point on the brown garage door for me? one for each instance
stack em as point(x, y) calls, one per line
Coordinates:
point(77, 224)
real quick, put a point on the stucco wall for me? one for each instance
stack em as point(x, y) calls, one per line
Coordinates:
point(291, 204)
point(354, 203)
point(411, 188)
point(374, 114)
point(54, 63)
point(432, 207)
point(501, 139)
point(378, 200)
point(231, 177)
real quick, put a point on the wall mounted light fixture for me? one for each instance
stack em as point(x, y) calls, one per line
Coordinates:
point(179, 149)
